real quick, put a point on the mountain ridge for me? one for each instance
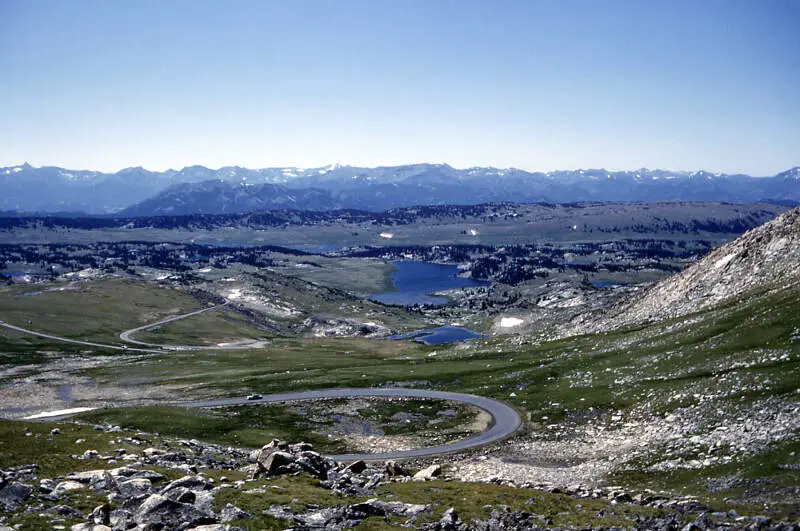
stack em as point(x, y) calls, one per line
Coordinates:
point(137, 191)
point(763, 259)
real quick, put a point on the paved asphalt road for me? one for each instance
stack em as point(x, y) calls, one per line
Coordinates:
point(505, 420)
point(125, 337)
point(75, 341)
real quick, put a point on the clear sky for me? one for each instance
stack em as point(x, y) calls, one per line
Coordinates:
point(539, 85)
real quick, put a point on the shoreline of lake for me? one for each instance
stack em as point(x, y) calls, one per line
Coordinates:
point(414, 281)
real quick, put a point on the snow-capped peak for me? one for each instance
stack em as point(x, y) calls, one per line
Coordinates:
point(329, 168)
point(792, 174)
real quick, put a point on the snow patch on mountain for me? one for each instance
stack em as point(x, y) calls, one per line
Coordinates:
point(508, 322)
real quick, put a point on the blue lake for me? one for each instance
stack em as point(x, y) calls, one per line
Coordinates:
point(437, 336)
point(607, 284)
point(415, 281)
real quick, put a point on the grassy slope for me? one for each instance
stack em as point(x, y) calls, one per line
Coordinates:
point(356, 275)
point(605, 370)
point(746, 351)
point(284, 364)
point(97, 311)
point(208, 328)
point(243, 426)
point(100, 310)
point(740, 353)
point(250, 426)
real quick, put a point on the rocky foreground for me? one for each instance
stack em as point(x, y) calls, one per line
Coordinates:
point(180, 486)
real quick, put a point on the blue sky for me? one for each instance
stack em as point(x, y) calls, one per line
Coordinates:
point(539, 85)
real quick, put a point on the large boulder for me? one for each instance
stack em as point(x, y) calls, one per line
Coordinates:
point(378, 507)
point(158, 511)
point(231, 512)
point(280, 458)
point(356, 467)
point(101, 514)
point(450, 521)
point(394, 469)
point(89, 476)
point(348, 516)
point(135, 473)
point(67, 511)
point(13, 493)
point(328, 518)
point(273, 446)
point(275, 463)
point(313, 463)
point(428, 473)
point(132, 488)
point(66, 486)
point(190, 483)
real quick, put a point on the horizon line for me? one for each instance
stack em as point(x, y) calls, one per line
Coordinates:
point(339, 165)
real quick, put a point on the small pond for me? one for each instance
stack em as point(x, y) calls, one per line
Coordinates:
point(18, 273)
point(440, 335)
point(607, 284)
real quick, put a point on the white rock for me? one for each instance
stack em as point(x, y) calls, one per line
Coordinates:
point(66, 486)
point(428, 473)
point(90, 527)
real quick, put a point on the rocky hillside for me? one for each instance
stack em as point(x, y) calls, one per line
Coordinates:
point(188, 485)
point(763, 259)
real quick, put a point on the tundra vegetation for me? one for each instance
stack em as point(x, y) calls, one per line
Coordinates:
point(692, 417)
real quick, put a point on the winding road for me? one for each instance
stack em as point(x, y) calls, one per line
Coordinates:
point(75, 341)
point(125, 336)
point(504, 419)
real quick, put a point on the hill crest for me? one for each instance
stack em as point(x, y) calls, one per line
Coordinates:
point(765, 258)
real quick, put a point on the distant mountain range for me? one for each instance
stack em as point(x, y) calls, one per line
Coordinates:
point(196, 189)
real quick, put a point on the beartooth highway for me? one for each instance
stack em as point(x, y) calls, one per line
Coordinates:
point(126, 337)
point(504, 419)
point(196, 189)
